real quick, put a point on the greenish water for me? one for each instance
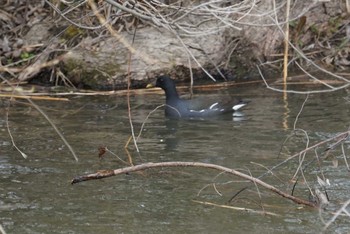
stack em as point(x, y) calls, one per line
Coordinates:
point(36, 195)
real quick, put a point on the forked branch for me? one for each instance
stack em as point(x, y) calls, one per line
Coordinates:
point(145, 166)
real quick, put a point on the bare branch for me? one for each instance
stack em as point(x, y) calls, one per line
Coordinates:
point(109, 173)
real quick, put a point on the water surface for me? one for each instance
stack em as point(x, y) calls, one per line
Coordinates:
point(36, 195)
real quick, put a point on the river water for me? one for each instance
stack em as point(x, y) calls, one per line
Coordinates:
point(36, 195)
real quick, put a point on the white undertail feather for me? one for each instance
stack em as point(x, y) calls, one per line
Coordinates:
point(195, 111)
point(238, 106)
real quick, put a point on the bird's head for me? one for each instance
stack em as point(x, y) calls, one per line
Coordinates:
point(165, 82)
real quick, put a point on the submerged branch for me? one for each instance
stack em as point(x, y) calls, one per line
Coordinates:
point(109, 173)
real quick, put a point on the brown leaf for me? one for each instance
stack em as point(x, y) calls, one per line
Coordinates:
point(101, 151)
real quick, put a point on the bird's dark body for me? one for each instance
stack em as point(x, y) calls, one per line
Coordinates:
point(177, 107)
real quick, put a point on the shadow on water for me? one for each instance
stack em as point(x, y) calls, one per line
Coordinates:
point(36, 197)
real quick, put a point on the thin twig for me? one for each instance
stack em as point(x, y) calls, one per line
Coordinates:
point(302, 92)
point(46, 117)
point(150, 113)
point(128, 96)
point(236, 208)
point(286, 46)
point(340, 135)
point(335, 216)
point(300, 111)
point(2, 230)
point(120, 38)
point(55, 128)
point(10, 134)
point(344, 156)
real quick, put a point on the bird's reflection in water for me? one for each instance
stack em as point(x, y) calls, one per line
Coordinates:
point(172, 140)
point(238, 116)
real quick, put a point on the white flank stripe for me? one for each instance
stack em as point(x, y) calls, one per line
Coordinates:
point(212, 106)
point(238, 106)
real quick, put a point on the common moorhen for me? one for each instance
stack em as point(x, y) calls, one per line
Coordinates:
point(177, 107)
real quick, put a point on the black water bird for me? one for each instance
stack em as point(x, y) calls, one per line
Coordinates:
point(177, 107)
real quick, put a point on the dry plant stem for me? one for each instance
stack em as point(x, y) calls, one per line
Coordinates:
point(187, 49)
point(302, 155)
point(121, 39)
point(342, 135)
point(302, 55)
point(132, 91)
point(271, 172)
point(10, 134)
point(286, 47)
point(33, 97)
point(63, 15)
point(347, 84)
point(109, 173)
point(344, 155)
point(335, 216)
point(35, 67)
point(127, 151)
point(193, 57)
point(130, 119)
point(319, 164)
point(236, 208)
point(313, 77)
point(147, 117)
point(126, 163)
point(46, 117)
point(131, 51)
point(2, 231)
point(216, 190)
point(258, 192)
point(307, 137)
point(128, 98)
point(300, 111)
point(144, 122)
point(55, 128)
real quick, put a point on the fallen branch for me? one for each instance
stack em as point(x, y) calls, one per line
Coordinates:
point(109, 173)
